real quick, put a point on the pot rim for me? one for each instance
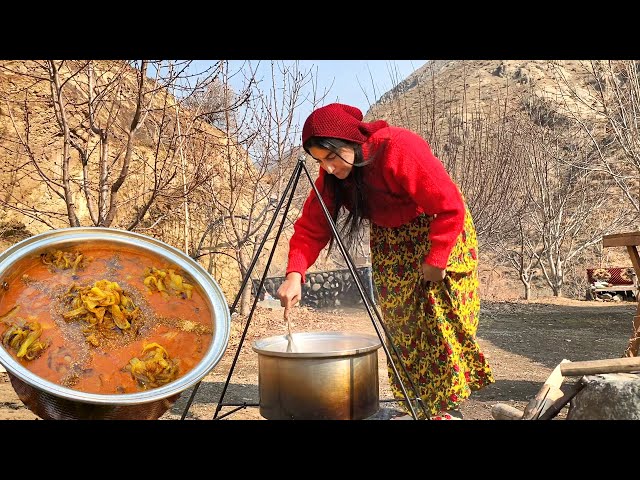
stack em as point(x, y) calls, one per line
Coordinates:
point(261, 346)
point(73, 235)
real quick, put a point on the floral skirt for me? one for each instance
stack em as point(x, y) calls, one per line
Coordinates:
point(432, 325)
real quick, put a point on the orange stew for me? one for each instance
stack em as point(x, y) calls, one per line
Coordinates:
point(181, 324)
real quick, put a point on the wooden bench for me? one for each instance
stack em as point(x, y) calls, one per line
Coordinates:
point(612, 279)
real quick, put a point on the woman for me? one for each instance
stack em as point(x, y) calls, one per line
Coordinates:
point(423, 249)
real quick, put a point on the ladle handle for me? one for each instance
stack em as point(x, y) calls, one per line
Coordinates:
point(286, 318)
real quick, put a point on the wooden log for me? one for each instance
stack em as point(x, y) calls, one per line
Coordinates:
point(549, 393)
point(634, 341)
point(502, 411)
point(631, 240)
point(534, 407)
point(555, 407)
point(632, 250)
point(594, 367)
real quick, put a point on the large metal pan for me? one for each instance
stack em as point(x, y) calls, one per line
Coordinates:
point(52, 401)
point(328, 376)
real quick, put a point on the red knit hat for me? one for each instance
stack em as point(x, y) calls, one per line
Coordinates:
point(338, 120)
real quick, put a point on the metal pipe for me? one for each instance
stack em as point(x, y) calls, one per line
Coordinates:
point(292, 182)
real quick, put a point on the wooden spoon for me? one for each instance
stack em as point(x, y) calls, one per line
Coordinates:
point(290, 345)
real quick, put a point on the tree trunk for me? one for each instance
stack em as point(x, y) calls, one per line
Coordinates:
point(245, 301)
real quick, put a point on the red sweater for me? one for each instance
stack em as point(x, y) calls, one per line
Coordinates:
point(406, 181)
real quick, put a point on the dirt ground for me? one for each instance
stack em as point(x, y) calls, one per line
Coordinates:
point(523, 342)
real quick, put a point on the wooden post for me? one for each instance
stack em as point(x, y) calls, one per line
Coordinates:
point(594, 367)
point(555, 408)
point(549, 393)
point(634, 342)
point(631, 240)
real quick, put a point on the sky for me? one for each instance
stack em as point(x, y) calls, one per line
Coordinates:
point(355, 82)
point(351, 77)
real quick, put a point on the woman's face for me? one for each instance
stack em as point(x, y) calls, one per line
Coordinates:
point(339, 164)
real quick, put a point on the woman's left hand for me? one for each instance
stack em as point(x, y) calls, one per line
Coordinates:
point(432, 274)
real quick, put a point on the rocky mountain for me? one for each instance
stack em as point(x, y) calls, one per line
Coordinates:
point(480, 82)
point(441, 100)
point(481, 116)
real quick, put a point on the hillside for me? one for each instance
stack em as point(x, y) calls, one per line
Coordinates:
point(104, 143)
point(174, 154)
point(480, 82)
point(473, 112)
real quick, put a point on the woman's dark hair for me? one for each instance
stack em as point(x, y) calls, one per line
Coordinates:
point(349, 224)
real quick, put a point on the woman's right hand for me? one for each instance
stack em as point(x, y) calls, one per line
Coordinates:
point(290, 292)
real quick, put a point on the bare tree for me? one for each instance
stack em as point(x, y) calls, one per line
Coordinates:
point(472, 136)
point(413, 103)
point(118, 146)
point(523, 254)
point(524, 177)
point(512, 239)
point(480, 154)
point(257, 164)
point(564, 199)
point(607, 105)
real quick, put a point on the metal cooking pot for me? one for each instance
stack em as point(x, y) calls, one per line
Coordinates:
point(52, 401)
point(327, 376)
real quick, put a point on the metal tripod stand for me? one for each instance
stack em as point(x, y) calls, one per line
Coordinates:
point(378, 324)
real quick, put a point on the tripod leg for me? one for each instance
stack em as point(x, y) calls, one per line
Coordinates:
point(289, 190)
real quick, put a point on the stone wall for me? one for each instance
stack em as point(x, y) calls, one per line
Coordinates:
point(325, 290)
